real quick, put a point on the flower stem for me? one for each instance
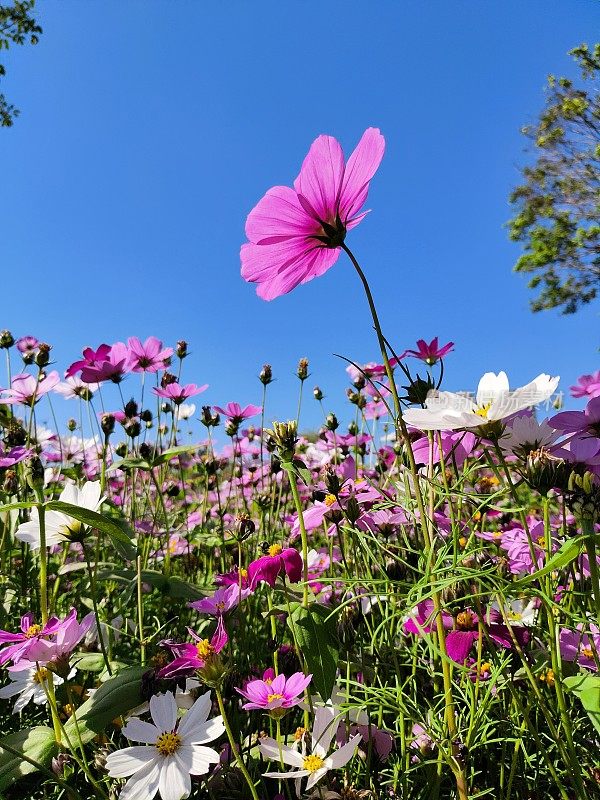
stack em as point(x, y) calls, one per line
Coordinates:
point(234, 748)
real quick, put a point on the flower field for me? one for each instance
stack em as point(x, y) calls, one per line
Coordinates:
point(406, 606)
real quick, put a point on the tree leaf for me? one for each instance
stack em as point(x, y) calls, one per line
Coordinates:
point(117, 696)
point(568, 552)
point(317, 641)
point(173, 452)
point(36, 743)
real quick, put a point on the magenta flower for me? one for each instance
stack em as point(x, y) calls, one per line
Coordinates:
point(235, 412)
point(275, 694)
point(296, 234)
point(91, 358)
point(277, 562)
point(8, 458)
point(190, 657)
point(149, 356)
point(429, 353)
point(64, 639)
point(579, 647)
point(113, 368)
point(586, 422)
point(234, 578)
point(27, 389)
point(178, 394)
point(21, 643)
point(586, 386)
point(27, 345)
point(463, 630)
point(222, 601)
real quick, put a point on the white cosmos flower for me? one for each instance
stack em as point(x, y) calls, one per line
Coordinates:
point(186, 410)
point(60, 526)
point(448, 411)
point(525, 434)
point(172, 750)
point(316, 765)
point(29, 685)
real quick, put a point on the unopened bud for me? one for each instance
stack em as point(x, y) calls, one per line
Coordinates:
point(107, 423)
point(182, 348)
point(302, 371)
point(42, 357)
point(317, 393)
point(6, 339)
point(331, 422)
point(266, 375)
point(167, 379)
point(71, 424)
point(34, 473)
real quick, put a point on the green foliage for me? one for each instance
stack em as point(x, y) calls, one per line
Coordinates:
point(17, 26)
point(36, 744)
point(557, 207)
point(587, 689)
point(315, 633)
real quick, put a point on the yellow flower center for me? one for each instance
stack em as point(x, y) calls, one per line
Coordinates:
point(312, 763)
point(168, 743)
point(275, 550)
point(299, 733)
point(547, 677)
point(272, 697)
point(244, 572)
point(514, 615)
point(482, 411)
point(587, 652)
point(204, 648)
point(541, 542)
point(465, 620)
point(40, 675)
point(485, 667)
point(329, 499)
point(220, 606)
point(463, 541)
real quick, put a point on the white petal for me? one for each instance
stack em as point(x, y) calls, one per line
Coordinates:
point(323, 729)
point(201, 759)
point(298, 773)
point(491, 386)
point(89, 496)
point(125, 762)
point(196, 716)
point(316, 777)
point(163, 710)
point(270, 749)
point(139, 731)
point(206, 731)
point(143, 785)
point(342, 756)
point(175, 782)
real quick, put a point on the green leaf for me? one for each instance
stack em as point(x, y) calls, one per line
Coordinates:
point(131, 463)
point(317, 641)
point(22, 504)
point(119, 695)
point(116, 529)
point(173, 587)
point(568, 552)
point(37, 743)
point(173, 452)
point(587, 689)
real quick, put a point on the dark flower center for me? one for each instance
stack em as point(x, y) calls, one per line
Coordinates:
point(333, 233)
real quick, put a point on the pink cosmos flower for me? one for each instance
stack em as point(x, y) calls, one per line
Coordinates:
point(190, 657)
point(585, 422)
point(222, 601)
point(296, 234)
point(275, 694)
point(21, 643)
point(277, 562)
point(26, 389)
point(429, 353)
point(464, 629)
point(91, 358)
point(586, 386)
point(178, 394)
point(8, 458)
point(577, 646)
point(73, 386)
point(112, 368)
point(149, 356)
point(26, 345)
point(235, 412)
point(66, 637)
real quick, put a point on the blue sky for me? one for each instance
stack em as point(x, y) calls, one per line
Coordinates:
point(150, 128)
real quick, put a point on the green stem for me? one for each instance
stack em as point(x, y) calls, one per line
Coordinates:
point(234, 747)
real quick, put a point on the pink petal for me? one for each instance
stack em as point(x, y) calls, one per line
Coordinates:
point(278, 216)
point(321, 177)
point(361, 167)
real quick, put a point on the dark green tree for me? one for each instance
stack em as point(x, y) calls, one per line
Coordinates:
point(557, 207)
point(17, 26)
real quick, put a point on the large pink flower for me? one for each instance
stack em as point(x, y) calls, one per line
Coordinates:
point(296, 234)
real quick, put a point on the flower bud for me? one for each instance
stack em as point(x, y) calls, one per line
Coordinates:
point(34, 473)
point(244, 527)
point(107, 423)
point(318, 394)
point(131, 408)
point(266, 375)
point(71, 424)
point(10, 484)
point(167, 379)
point(132, 428)
point(166, 408)
point(6, 339)
point(302, 371)
point(182, 349)
point(285, 437)
point(146, 415)
point(42, 357)
point(121, 449)
point(231, 427)
point(352, 510)
point(331, 422)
